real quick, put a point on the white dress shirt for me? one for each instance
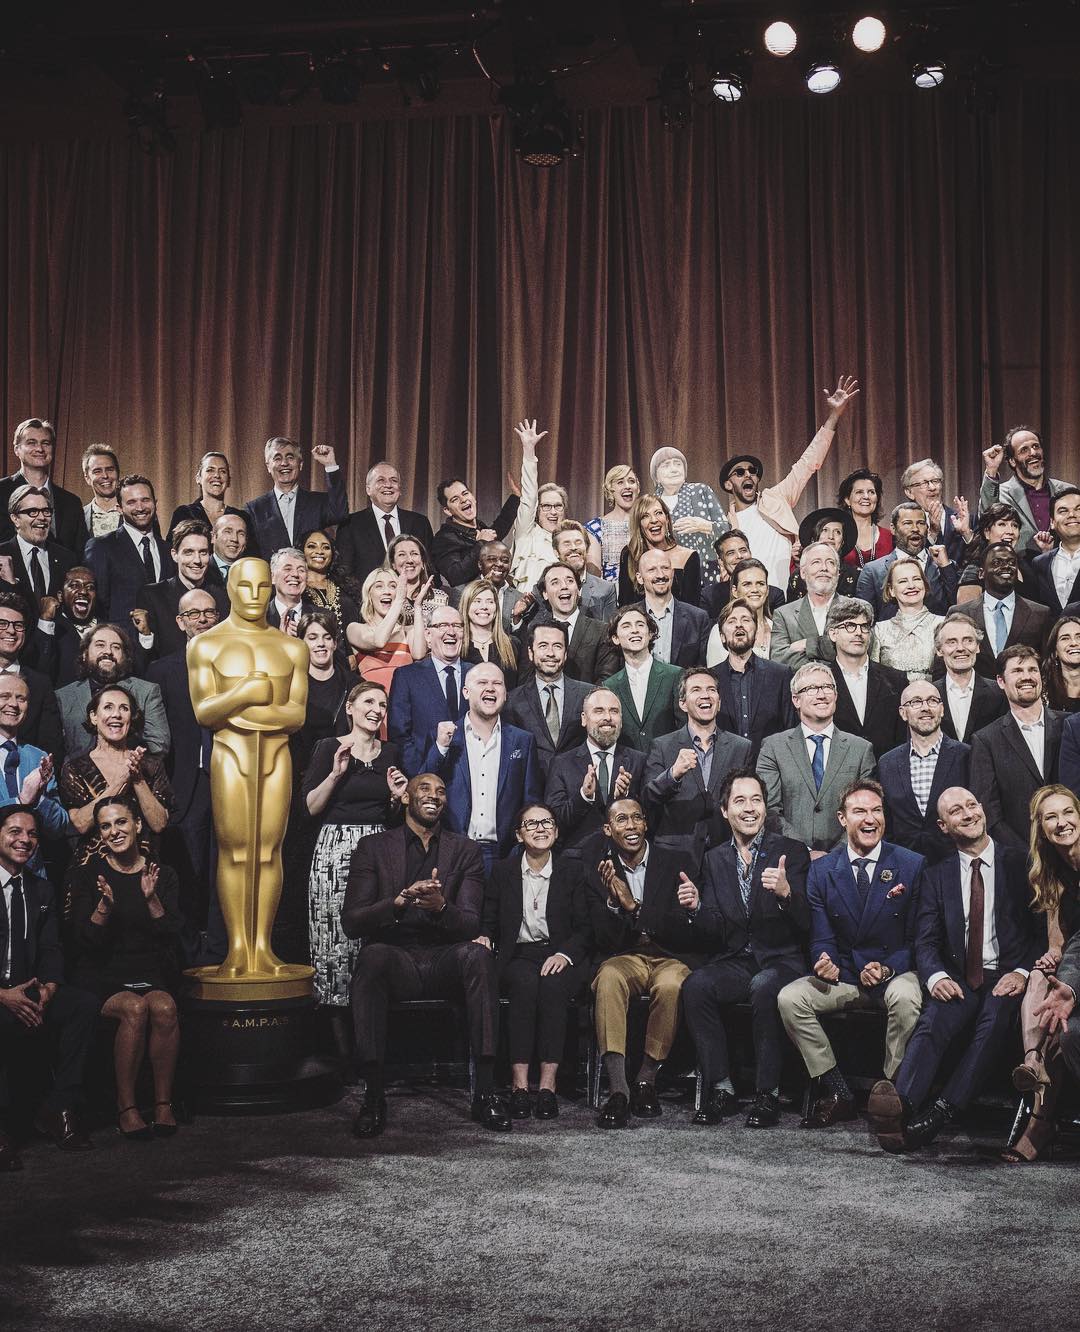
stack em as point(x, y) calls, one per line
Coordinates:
point(638, 679)
point(1064, 568)
point(286, 502)
point(959, 701)
point(1034, 734)
point(381, 516)
point(137, 540)
point(990, 953)
point(284, 610)
point(856, 687)
point(534, 894)
point(570, 622)
point(484, 756)
point(7, 908)
point(871, 858)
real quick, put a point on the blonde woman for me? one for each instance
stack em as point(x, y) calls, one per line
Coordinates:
point(651, 529)
point(382, 638)
point(484, 638)
point(906, 642)
point(611, 531)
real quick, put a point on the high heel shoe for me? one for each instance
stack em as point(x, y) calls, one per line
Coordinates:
point(164, 1130)
point(1039, 1142)
point(143, 1134)
point(1031, 1075)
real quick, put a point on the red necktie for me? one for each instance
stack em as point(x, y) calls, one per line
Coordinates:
point(974, 962)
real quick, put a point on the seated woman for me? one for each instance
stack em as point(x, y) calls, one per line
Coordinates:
point(351, 789)
point(391, 629)
point(1054, 874)
point(651, 529)
point(860, 493)
point(536, 918)
point(125, 928)
point(999, 522)
point(906, 642)
point(327, 588)
point(697, 516)
point(611, 531)
point(484, 638)
point(837, 527)
point(116, 767)
point(1061, 665)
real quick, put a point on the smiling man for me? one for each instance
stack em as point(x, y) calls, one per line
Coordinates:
point(364, 537)
point(1004, 616)
point(1057, 572)
point(549, 705)
point(428, 692)
point(101, 472)
point(34, 446)
point(39, 562)
point(284, 513)
point(288, 574)
point(646, 687)
point(591, 656)
point(126, 560)
point(1029, 489)
point(105, 659)
point(455, 547)
point(158, 604)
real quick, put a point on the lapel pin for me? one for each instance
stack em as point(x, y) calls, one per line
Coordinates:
point(886, 876)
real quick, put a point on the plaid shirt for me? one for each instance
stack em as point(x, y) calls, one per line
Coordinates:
point(922, 775)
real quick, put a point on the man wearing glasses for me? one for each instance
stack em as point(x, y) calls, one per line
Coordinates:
point(34, 445)
point(37, 562)
point(806, 768)
point(867, 693)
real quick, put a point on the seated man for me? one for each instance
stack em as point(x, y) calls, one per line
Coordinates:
point(646, 687)
point(641, 901)
point(755, 916)
point(35, 1004)
point(863, 897)
point(798, 633)
point(414, 896)
point(549, 706)
point(975, 948)
point(755, 693)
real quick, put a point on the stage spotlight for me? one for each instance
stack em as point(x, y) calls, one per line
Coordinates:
point(822, 76)
point(928, 73)
point(730, 78)
point(675, 89)
point(339, 80)
point(868, 34)
point(545, 130)
point(218, 99)
point(780, 38)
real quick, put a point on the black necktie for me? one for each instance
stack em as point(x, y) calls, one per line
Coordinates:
point(20, 961)
point(862, 879)
point(388, 529)
point(11, 769)
point(451, 692)
point(37, 578)
point(148, 561)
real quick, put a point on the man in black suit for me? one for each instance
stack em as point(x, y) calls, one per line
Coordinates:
point(916, 773)
point(42, 726)
point(1057, 572)
point(642, 901)
point(493, 563)
point(599, 596)
point(455, 546)
point(34, 446)
point(755, 693)
point(35, 1004)
point(1015, 755)
point(591, 655)
point(38, 562)
point(683, 629)
point(909, 527)
point(581, 782)
point(732, 548)
point(364, 537)
point(974, 949)
point(126, 560)
point(288, 605)
point(550, 705)
point(157, 610)
point(63, 621)
point(283, 514)
point(867, 693)
point(228, 541)
point(1004, 616)
point(415, 896)
point(971, 702)
point(756, 920)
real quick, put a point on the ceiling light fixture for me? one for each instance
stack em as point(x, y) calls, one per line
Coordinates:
point(780, 38)
point(868, 34)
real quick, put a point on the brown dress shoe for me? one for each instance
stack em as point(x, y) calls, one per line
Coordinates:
point(62, 1128)
point(885, 1110)
point(831, 1110)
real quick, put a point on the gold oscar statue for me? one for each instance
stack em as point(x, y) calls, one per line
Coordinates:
point(249, 685)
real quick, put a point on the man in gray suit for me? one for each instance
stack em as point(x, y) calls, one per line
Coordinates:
point(798, 629)
point(685, 770)
point(1028, 490)
point(806, 768)
point(105, 659)
point(549, 705)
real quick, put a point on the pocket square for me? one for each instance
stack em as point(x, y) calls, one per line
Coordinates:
point(898, 891)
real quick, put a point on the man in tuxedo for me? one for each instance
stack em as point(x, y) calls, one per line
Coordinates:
point(549, 706)
point(732, 548)
point(1029, 490)
point(798, 632)
point(591, 655)
point(39, 562)
point(35, 1004)
point(364, 537)
point(805, 769)
point(1015, 755)
point(975, 947)
point(1057, 572)
point(1001, 612)
point(455, 546)
point(106, 659)
point(916, 773)
point(126, 560)
point(641, 899)
point(683, 630)
point(489, 769)
point(971, 702)
point(288, 605)
point(157, 612)
point(66, 619)
point(281, 516)
point(428, 692)
point(685, 770)
point(909, 528)
point(599, 596)
point(755, 694)
point(867, 693)
point(42, 724)
point(646, 687)
point(581, 782)
point(101, 472)
point(755, 916)
point(864, 900)
point(415, 895)
point(229, 540)
point(922, 482)
point(35, 445)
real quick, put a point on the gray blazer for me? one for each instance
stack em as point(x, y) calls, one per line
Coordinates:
point(791, 623)
point(1011, 492)
point(72, 701)
point(599, 597)
point(796, 808)
point(684, 814)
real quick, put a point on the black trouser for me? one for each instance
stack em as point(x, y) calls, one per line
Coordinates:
point(709, 990)
point(70, 1021)
point(387, 973)
point(538, 1004)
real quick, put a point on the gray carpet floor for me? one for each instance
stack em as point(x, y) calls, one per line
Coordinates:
point(289, 1222)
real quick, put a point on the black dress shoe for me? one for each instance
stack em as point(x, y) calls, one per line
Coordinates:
point(614, 1113)
point(547, 1107)
point(885, 1113)
point(644, 1102)
point(492, 1112)
point(717, 1105)
point(520, 1104)
point(929, 1124)
point(764, 1112)
point(370, 1117)
point(62, 1128)
point(9, 1158)
point(831, 1110)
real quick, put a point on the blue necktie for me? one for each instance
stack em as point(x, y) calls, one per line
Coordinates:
point(11, 769)
point(1000, 630)
point(862, 879)
point(817, 767)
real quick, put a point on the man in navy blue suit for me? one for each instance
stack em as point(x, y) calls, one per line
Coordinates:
point(281, 516)
point(863, 899)
point(126, 560)
point(489, 767)
point(975, 947)
point(428, 692)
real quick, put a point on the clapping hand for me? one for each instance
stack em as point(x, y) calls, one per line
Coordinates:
point(149, 880)
point(36, 782)
point(397, 782)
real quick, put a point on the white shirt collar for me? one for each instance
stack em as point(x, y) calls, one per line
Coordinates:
point(954, 688)
point(827, 733)
point(986, 855)
point(544, 873)
point(1009, 601)
point(279, 494)
point(872, 856)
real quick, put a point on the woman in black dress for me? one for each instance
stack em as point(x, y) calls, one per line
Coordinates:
point(327, 587)
point(125, 927)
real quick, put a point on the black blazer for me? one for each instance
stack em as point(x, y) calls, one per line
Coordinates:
point(904, 825)
point(454, 550)
point(69, 520)
point(161, 601)
point(58, 559)
point(196, 510)
point(591, 657)
point(313, 508)
point(685, 582)
point(987, 704)
point(669, 926)
point(683, 814)
point(359, 539)
point(1030, 625)
point(42, 726)
point(776, 931)
point(121, 574)
point(771, 708)
point(45, 957)
point(1044, 589)
point(273, 616)
point(568, 924)
point(883, 726)
point(523, 709)
point(577, 819)
point(1004, 775)
point(170, 674)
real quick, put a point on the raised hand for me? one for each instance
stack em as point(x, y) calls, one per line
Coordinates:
point(324, 455)
point(418, 596)
point(526, 432)
point(1044, 541)
point(444, 733)
point(397, 782)
point(846, 389)
point(148, 882)
point(962, 516)
point(341, 761)
point(134, 762)
point(688, 895)
point(993, 457)
point(775, 880)
point(617, 889)
point(685, 760)
point(105, 901)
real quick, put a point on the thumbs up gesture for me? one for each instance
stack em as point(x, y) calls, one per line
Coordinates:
point(689, 897)
point(775, 881)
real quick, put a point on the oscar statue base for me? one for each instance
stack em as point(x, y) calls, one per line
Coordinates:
point(290, 981)
point(254, 1056)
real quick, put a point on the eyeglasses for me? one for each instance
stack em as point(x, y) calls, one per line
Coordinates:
point(556, 504)
point(192, 615)
point(853, 627)
point(12, 627)
point(816, 689)
point(920, 703)
point(33, 513)
point(537, 825)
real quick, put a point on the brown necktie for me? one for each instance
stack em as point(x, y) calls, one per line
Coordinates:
point(388, 528)
point(974, 964)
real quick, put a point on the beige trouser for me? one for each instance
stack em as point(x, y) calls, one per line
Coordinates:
point(803, 1002)
point(624, 977)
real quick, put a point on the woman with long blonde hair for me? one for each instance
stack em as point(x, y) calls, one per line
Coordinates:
point(484, 637)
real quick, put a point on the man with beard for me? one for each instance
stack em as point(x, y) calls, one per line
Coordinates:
point(67, 618)
point(599, 596)
point(591, 656)
point(134, 555)
point(106, 659)
point(455, 548)
point(798, 632)
point(909, 530)
point(755, 693)
point(731, 549)
point(550, 704)
point(1029, 489)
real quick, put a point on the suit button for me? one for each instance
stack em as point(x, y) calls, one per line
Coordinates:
point(817, 809)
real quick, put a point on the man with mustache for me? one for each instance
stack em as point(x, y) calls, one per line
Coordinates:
point(755, 693)
point(1029, 490)
point(106, 659)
